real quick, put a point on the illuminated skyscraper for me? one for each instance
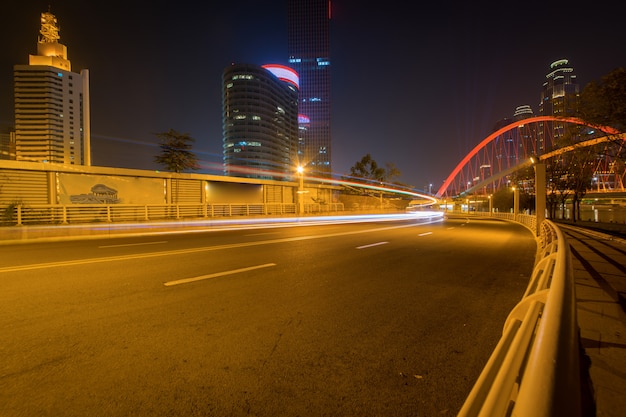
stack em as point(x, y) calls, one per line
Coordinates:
point(260, 121)
point(308, 46)
point(523, 112)
point(559, 97)
point(51, 104)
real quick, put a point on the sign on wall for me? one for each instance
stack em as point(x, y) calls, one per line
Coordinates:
point(105, 189)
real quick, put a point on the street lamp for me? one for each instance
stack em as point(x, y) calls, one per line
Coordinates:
point(300, 170)
point(515, 202)
point(540, 191)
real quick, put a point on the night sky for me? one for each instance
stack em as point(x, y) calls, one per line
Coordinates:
point(416, 88)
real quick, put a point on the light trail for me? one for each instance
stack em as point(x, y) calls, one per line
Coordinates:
point(204, 226)
point(178, 252)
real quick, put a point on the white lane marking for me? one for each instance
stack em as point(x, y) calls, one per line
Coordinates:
point(194, 250)
point(218, 274)
point(133, 244)
point(425, 234)
point(373, 244)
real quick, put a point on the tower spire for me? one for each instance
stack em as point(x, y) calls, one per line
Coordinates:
point(49, 29)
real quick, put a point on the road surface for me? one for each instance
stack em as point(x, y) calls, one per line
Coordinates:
point(358, 319)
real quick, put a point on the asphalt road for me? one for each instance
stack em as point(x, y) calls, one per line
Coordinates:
point(368, 319)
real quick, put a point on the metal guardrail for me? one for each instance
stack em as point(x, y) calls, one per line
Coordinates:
point(527, 220)
point(534, 369)
point(20, 215)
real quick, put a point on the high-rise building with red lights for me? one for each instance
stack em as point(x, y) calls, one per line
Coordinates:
point(308, 46)
point(260, 121)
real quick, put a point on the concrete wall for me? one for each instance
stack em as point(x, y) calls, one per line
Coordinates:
point(34, 183)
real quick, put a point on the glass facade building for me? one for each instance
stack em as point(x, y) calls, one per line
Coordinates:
point(308, 47)
point(260, 121)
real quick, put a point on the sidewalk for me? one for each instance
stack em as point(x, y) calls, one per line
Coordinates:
point(617, 230)
point(600, 285)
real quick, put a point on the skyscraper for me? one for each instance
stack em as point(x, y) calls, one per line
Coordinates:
point(308, 46)
point(260, 121)
point(51, 104)
point(559, 97)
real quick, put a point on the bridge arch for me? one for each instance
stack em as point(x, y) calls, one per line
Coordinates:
point(504, 152)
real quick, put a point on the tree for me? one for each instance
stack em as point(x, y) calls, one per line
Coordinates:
point(175, 153)
point(368, 168)
point(391, 171)
point(604, 103)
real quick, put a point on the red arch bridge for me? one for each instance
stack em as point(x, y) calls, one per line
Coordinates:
point(488, 166)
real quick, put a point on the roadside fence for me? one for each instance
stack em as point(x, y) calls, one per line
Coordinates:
point(534, 369)
point(19, 215)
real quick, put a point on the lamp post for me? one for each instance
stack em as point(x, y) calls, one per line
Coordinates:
point(490, 205)
point(540, 191)
point(300, 170)
point(515, 202)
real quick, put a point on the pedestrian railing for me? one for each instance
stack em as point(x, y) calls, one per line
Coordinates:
point(534, 369)
point(19, 215)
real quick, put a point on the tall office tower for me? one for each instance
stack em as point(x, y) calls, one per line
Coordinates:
point(260, 121)
point(308, 46)
point(523, 112)
point(51, 104)
point(303, 127)
point(559, 97)
point(527, 133)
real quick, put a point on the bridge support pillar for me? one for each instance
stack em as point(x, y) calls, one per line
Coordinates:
point(540, 195)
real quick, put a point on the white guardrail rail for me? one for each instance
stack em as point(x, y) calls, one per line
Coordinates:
point(534, 369)
point(20, 215)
